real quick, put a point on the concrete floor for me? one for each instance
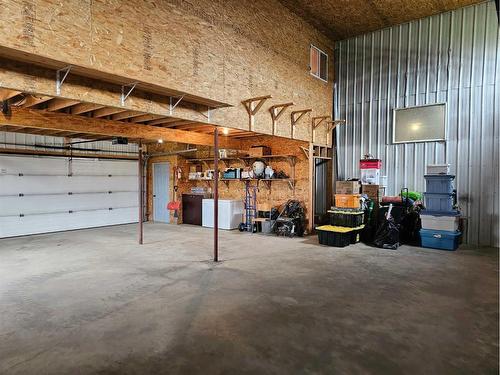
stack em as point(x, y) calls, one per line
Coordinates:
point(93, 301)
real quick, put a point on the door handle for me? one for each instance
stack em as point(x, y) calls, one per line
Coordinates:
point(154, 195)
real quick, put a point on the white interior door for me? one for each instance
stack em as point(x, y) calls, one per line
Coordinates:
point(161, 192)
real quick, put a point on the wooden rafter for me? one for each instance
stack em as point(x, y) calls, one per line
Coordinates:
point(55, 121)
point(33, 100)
point(147, 117)
point(276, 111)
point(253, 105)
point(317, 121)
point(162, 121)
point(295, 117)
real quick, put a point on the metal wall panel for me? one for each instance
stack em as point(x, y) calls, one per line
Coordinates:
point(451, 57)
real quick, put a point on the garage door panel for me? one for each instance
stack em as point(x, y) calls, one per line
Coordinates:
point(36, 224)
point(38, 193)
point(36, 204)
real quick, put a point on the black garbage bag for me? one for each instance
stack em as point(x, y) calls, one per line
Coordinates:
point(387, 236)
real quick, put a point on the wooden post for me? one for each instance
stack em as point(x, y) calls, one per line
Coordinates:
point(216, 195)
point(141, 203)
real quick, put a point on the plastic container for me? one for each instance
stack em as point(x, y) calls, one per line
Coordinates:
point(439, 183)
point(439, 202)
point(344, 217)
point(338, 236)
point(370, 164)
point(440, 239)
point(347, 200)
point(370, 176)
point(440, 222)
point(438, 169)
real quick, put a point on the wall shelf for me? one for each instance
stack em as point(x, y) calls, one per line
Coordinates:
point(266, 181)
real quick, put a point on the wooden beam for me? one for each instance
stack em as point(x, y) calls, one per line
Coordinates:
point(252, 106)
point(107, 111)
point(147, 117)
point(165, 120)
point(84, 108)
point(6, 94)
point(276, 111)
point(295, 116)
point(57, 104)
point(99, 127)
point(125, 115)
point(33, 100)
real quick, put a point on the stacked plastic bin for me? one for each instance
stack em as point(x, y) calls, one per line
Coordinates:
point(344, 229)
point(440, 219)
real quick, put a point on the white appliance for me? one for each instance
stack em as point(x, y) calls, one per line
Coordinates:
point(230, 213)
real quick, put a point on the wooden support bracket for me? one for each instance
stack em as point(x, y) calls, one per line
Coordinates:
point(330, 125)
point(317, 121)
point(252, 106)
point(295, 117)
point(276, 111)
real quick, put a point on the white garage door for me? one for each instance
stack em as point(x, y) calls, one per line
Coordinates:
point(44, 194)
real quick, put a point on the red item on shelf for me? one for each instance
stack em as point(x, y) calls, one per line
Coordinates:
point(370, 164)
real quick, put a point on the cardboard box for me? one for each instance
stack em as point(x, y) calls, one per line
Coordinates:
point(373, 191)
point(347, 187)
point(257, 151)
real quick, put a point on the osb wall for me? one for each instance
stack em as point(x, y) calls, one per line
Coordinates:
point(279, 193)
point(226, 50)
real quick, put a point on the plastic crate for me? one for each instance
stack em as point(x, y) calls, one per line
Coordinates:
point(347, 200)
point(440, 239)
point(440, 222)
point(370, 164)
point(344, 217)
point(439, 183)
point(439, 202)
point(338, 236)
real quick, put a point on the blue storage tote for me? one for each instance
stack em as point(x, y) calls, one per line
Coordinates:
point(442, 184)
point(439, 202)
point(439, 239)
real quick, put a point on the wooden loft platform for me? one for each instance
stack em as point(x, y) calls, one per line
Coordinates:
point(49, 107)
point(148, 87)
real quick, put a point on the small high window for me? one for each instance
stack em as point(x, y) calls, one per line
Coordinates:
point(318, 63)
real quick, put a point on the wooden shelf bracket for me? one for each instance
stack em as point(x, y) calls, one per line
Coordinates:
point(295, 117)
point(317, 121)
point(252, 106)
point(330, 125)
point(276, 111)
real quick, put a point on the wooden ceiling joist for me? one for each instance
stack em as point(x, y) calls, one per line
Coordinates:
point(147, 117)
point(81, 108)
point(56, 121)
point(295, 117)
point(161, 121)
point(125, 115)
point(252, 106)
point(277, 111)
point(32, 100)
point(57, 104)
point(107, 111)
point(6, 94)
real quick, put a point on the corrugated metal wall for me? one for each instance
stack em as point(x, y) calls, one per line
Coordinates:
point(451, 57)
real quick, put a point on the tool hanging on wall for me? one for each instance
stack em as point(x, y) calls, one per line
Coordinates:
point(175, 204)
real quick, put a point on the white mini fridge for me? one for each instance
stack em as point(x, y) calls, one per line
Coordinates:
point(230, 213)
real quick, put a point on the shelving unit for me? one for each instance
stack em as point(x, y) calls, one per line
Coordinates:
point(291, 159)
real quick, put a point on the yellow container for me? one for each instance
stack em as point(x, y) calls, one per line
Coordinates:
point(347, 200)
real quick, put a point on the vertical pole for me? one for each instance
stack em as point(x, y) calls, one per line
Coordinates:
point(141, 198)
point(216, 195)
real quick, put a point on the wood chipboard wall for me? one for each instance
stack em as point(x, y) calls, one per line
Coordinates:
point(225, 50)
